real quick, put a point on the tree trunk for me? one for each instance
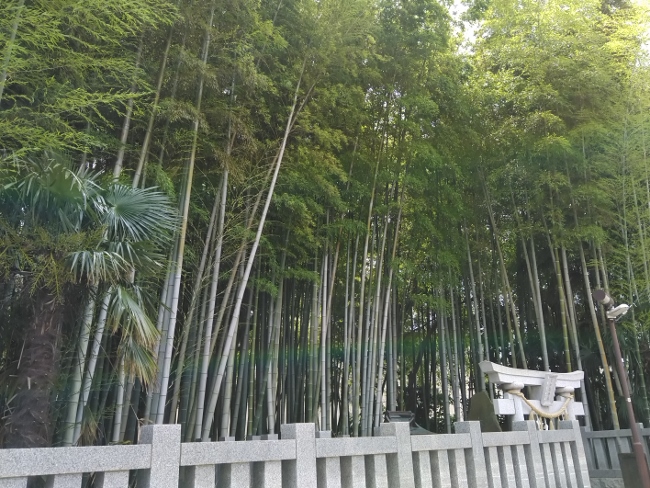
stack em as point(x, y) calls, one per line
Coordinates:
point(29, 423)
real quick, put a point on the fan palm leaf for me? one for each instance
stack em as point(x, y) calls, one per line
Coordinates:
point(135, 214)
point(128, 314)
point(97, 266)
point(49, 188)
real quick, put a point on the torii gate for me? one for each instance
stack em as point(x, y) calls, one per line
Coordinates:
point(552, 394)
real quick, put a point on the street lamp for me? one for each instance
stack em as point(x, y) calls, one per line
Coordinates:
point(612, 314)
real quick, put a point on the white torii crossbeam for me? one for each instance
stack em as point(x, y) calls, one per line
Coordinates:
point(549, 392)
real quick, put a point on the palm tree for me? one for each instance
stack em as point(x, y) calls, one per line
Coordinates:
point(67, 236)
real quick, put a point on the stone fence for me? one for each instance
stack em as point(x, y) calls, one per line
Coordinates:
point(305, 458)
point(602, 449)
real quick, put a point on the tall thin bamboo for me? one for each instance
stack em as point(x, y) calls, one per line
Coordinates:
point(242, 379)
point(393, 355)
point(251, 366)
point(78, 368)
point(323, 340)
point(92, 363)
point(212, 298)
point(443, 363)
point(274, 343)
point(345, 405)
point(474, 310)
point(144, 150)
point(599, 341)
point(313, 330)
point(387, 301)
point(538, 300)
point(119, 403)
point(364, 260)
point(9, 47)
point(166, 365)
point(119, 160)
point(242, 287)
point(376, 356)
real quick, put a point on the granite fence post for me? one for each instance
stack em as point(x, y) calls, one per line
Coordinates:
point(64, 481)
point(587, 444)
point(165, 443)
point(233, 474)
point(474, 457)
point(643, 443)
point(201, 476)
point(267, 474)
point(533, 453)
point(578, 453)
point(329, 468)
point(300, 473)
point(13, 482)
point(112, 479)
point(399, 465)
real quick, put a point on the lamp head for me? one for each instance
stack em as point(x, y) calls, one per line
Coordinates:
point(603, 298)
point(613, 312)
point(616, 312)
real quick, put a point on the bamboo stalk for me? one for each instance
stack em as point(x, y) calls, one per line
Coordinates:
point(119, 161)
point(92, 363)
point(9, 47)
point(183, 230)
point(196, 291)
point(242, 288)
point(78, 368)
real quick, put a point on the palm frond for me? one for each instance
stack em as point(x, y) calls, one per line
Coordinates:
point(50, 191)
point(128, 312)
point(143, 256)
point(138, 360)
point(136, 214)
point(97, 265)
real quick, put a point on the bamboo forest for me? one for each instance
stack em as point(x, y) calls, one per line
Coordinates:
point(237, 214)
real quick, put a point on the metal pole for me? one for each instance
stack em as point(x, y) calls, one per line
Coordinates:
point(637, 446)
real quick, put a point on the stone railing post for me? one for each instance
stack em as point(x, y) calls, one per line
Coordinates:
point(165, 443)
point(233, 474)
point(533, 453)
point(267, 474)
point(474, 458)
point(400, 465)
point(328, 469)
point(587, 443)
point(300, 473)
point(578, 453)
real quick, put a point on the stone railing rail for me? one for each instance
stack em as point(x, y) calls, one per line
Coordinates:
point(304, 458)
point(602, 449)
